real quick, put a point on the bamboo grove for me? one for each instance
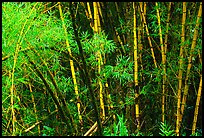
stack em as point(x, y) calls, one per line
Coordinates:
point(101, 68)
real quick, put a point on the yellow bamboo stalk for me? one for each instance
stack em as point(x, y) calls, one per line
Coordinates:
point(90, 15)
point(117, 35)
point(89, 10)
point(86, 11)
point(136, 68)
point(163, 64)
point(101, 92)
point(119, 40)
point(12, 90)
point(197, 106)
point(76, 90)
point(167, 29)
point(110, 103)
point(140, 47)
point(99, 10)
point(142, 23)
point(100, 61)
point(72, 66)
point(140, 37)
point(180, 68)
point(145, 8)
point(149, 39)
point(95, 17)
point(34, 107)
point(97, 29)
point(190, 60)
point(117, 9)
point(98, 19)
point(166, 37)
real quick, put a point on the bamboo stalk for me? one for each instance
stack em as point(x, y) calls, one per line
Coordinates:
point(180, 68)
point(136, 69)
point(53, 94)
point(59, 94)
point(190, 61)
point(18, 46)
point(119, 17)
point(167, 28)
point(100, 12)
point(87, 79)
point(90, 16)
point(72, 68)
point(148, 36)
point(97, 30)
point(34, 106)
point(197, 106)
point(163, 64)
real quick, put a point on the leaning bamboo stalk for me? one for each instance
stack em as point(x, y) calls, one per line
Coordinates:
point(38, 122)
point(180, 68)
point(118, 38)
point(190, 60)
point(91, 130)
point(94, 128)
point(34, 106)
point(59, 94)
point(86, 12)
point(72, 67)
point(197, 106)
point(148, 36)
point(18, 46)
point(51, 92)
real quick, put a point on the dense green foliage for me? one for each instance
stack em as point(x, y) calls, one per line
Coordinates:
point(34, 41)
